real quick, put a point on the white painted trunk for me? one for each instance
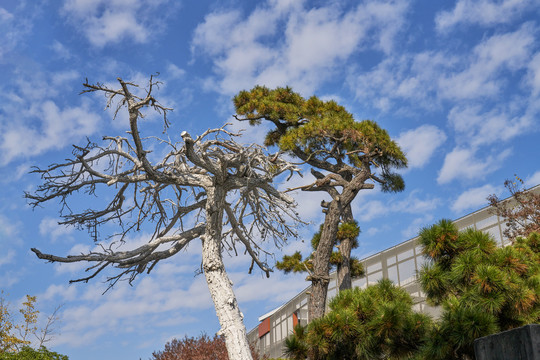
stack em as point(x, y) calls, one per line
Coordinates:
point(219, 284)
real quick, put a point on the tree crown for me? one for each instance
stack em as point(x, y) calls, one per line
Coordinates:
point(322, 133)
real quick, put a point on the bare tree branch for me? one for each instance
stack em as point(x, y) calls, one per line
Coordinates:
point(177, 200)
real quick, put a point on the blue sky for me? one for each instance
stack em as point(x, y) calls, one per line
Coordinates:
point(456, 84)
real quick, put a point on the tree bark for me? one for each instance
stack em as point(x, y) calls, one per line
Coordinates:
point(344, 279)
point(321, 260)
point(219, 284)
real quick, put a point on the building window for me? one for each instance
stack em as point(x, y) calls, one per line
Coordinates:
point(393, 274)
point(407, 272)
point(405, 255)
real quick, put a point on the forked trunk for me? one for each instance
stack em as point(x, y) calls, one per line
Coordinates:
point(219, 284)
point(321, 260)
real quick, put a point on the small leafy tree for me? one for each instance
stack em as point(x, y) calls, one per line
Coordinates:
point(482, 288)
point(521, 213)
point(16, 336)
point(346, 231)
point(353, 154)
point(373, 323)
point(197, 348)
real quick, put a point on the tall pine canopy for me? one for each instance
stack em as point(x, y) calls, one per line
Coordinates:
point(324, 134)
point(353, 155)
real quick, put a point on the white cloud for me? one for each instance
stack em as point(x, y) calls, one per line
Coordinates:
point(5, 15)
point(59, 127)
point(61, 50)
point(125, 307)
point(372, 231)
point(533, 79)
point(311, 47)
point(476, 127)
point(64, 78)
point(59, 293)
point(532, 180)
point(50, 227)
point(482, 12)
point(15, 26)
point(366, 211)
point(420, 144)
point(430, 79)
point(414, 205)
point(74, 269)
point(409, 77)
point(105, 22)
point(474, 198)
point(463, 164)
point(416, 225)
point(509, 51)
point(8, 230)
point(309, 202)
point(9, 278)
point(277, 288)
point(370, 210)
point(175, 72)
point(7, 257)
point(43, 121)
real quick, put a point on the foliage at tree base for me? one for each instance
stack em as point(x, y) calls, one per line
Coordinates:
point(198, 348)
point(27, 353)
point(482, 288)
point(375, 323)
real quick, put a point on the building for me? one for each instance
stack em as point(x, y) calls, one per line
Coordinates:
point(399, 263)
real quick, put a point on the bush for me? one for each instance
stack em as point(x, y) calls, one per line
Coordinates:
point(27, 353)
point(483, 289)
point(374, 323)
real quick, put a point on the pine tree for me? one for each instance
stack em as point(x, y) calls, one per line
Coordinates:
point(482, 288)
point(373, 323)
point(353, 154)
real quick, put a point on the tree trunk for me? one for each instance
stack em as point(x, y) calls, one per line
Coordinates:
point(344, 279)
point(219, 284)
point(321, 262)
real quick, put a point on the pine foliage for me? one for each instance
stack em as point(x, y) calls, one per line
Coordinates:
point(354, 155)
point(323, 130)
point(482, 288)
point(373, 323)
point(296, 263)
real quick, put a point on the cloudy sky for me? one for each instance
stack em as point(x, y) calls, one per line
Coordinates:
point(456, 84)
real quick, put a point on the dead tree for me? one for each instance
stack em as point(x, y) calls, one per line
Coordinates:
point(210, 188)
